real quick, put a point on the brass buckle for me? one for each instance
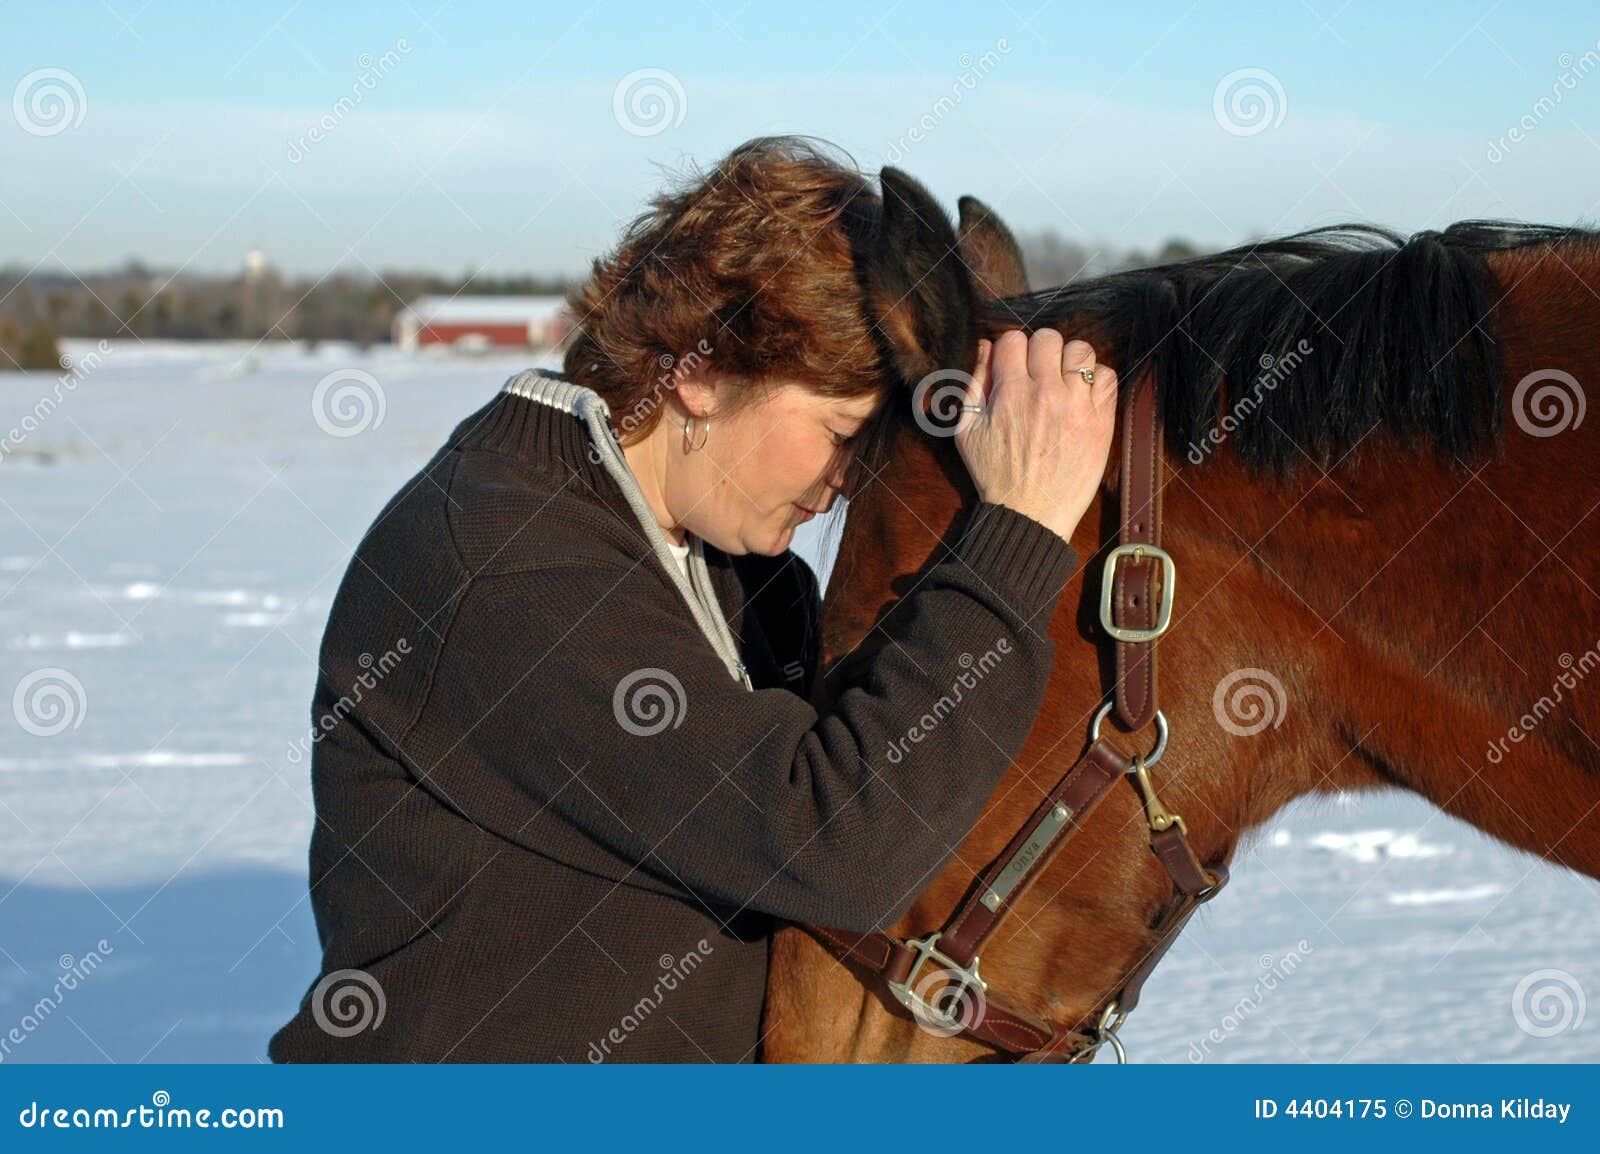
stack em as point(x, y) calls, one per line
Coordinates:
point(1108, 578)
point(963, 978)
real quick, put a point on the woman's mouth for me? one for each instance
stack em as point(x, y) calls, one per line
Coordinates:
point(806, 514)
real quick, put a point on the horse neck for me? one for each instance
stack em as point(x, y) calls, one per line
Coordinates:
point(1463, 594)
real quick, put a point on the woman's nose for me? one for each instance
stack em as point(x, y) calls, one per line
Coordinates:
point(839, 471)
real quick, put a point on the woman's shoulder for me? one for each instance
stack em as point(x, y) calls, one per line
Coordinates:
point(503, 518)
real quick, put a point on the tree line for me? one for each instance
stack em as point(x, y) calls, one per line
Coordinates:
point(136, 301)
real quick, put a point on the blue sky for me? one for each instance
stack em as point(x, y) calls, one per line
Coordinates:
point(490, 136)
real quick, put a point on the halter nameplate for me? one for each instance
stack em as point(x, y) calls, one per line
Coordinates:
point(1041, 837)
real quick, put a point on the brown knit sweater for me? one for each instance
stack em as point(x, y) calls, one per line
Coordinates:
point(550, 825)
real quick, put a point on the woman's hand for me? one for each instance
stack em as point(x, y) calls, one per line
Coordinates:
point(1041, 444)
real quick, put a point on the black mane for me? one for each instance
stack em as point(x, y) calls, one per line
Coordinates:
point(1400, 331)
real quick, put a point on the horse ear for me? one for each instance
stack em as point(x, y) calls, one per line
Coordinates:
point(918, 292)
point(990, 251)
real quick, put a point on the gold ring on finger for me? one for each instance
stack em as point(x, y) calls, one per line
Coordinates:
point(1087, 373)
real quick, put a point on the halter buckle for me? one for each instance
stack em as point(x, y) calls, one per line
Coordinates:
point(962, 978)
point(1108, 580)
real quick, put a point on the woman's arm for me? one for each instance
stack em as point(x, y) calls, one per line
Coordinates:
point(577, 692)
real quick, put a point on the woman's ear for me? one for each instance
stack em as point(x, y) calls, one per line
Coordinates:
point(698, 391)
point(918, 292)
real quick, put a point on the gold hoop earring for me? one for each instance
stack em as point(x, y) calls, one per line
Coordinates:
point(688, 444)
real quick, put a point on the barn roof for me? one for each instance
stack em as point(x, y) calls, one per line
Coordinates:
point(506, 309)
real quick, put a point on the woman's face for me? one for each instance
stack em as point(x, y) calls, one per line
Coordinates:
point(763, 471)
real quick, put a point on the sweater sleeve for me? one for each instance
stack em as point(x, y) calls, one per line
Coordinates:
point(588, 695)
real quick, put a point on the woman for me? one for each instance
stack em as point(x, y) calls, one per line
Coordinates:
point(561, 824)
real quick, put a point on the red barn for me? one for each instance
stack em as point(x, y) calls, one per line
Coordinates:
point(482, 321)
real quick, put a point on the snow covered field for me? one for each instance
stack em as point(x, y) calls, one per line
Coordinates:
point(172, 530)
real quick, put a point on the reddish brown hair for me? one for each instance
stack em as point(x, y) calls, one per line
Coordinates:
point(753, 267)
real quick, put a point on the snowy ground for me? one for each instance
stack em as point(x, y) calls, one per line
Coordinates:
point(171, 534)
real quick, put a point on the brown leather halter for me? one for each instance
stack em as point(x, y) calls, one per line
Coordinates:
point(1136, 571)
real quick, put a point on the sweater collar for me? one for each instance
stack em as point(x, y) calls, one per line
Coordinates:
point(551, 436)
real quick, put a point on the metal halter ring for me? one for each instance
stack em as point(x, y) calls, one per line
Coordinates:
point(1105, 1033)
point(1161, 732)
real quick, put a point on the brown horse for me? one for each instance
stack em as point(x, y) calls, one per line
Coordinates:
point(1380, 493)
